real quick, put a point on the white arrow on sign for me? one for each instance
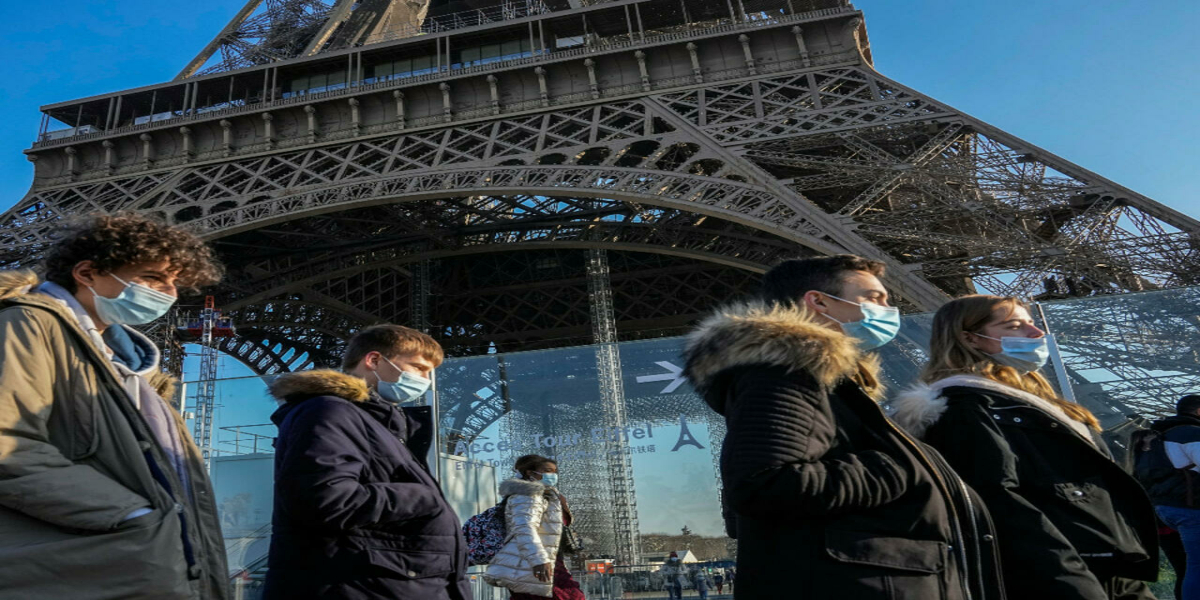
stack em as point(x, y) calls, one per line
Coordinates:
point(674, 375)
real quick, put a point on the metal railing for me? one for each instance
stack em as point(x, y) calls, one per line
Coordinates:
point(355, 88)
point(248, 442)
point(461, 20)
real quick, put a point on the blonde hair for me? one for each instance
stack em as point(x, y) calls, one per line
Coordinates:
point(949, 355)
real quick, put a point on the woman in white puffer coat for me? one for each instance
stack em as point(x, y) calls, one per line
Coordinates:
point(529, 564)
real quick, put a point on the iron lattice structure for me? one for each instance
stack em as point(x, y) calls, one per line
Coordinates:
point(622, 504)
point(461, 179)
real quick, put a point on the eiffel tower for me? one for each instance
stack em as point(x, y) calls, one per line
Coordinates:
point(544, 173)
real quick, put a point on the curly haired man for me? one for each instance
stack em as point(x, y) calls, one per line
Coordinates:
point(102, 492)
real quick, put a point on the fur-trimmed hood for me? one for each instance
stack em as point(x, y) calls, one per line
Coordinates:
point(522, 487)
point(322, 382)
point(782, 335)
point(917, 408)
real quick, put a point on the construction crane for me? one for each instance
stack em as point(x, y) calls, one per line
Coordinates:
point(205, 330)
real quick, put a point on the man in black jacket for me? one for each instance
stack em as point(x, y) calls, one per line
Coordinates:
point(1175, 488)
point(358, 516)
point(827, 498)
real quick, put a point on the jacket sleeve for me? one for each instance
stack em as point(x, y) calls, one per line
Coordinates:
point(1041, 562)
point(524, 515)
point(319, 469)
point(35, 477)
point(779, 430)
point(1183, 447)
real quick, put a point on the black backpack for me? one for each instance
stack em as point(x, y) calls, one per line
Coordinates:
point(1153, 468)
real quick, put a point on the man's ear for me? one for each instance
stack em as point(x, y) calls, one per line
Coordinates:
point(85, 273)
point(815, 301)
point(371, 360)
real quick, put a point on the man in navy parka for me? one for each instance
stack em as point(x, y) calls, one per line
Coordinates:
point(358, 515)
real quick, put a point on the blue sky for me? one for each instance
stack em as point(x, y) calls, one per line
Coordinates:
point(1108, 84)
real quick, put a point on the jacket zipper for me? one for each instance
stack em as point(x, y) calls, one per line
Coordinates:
point(970, 507)
point(959, 541)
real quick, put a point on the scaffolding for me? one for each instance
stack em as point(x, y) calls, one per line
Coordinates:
point(209, 327)
point(626, 535)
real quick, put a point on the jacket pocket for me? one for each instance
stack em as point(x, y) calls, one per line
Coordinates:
point(1088, 517)
point(411, 564)
point(903, 554)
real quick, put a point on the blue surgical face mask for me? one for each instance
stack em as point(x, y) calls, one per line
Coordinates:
point(135, 305)
point(1021, 353)
point(879, 324)
point(550, 479)
point(409, 387)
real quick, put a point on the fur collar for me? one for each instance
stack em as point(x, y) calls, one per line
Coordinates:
point(322, 382)
point(783, 335)
point(921, 405)
point(521, 487)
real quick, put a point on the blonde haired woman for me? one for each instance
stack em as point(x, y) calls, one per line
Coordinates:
point(1071, 523)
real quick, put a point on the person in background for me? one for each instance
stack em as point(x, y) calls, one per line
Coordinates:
point(102, 492)
point(358, 515)
point(672, 570)
point(830, 499)
point(1073, 524)
point(1168, 465)
point(530, 564)
point(700, 582)
point(719, 581)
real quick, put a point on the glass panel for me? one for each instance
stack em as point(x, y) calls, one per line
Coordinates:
point(513, 47)
point(422, 65)
point(242, 465)
point(1129, 354)
point(496, 408)
point(383, 70)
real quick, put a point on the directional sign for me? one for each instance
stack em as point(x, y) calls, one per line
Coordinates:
point(674, 374)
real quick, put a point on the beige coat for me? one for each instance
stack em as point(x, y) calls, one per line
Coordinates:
point(533, 520)
point(75, 458)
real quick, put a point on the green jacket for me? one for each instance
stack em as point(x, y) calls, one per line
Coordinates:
point(76, 458)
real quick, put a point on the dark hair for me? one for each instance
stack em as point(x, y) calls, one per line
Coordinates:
point(1188, 405)
point(789, 280)
point(391, 340)
point(115, 241)
point(532, 462)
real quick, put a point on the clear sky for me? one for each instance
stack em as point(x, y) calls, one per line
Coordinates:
point(1109, 84)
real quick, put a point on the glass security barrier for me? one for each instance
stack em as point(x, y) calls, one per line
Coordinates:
point(637, 447)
